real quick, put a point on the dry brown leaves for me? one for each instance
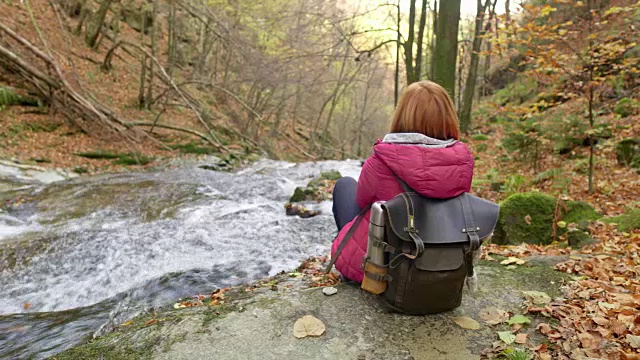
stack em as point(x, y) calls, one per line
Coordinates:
point(599, 316)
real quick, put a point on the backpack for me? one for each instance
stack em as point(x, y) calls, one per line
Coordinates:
point(420, 250)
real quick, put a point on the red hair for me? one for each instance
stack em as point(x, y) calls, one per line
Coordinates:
point(425, 107)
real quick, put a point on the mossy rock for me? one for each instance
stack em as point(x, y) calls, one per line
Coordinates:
point(529, 217)
point(628, 152)
point(330, 175)
point(317, 189)
point(579, 238)
point(324, 178)
point(579, 212)
point(525, 217)
point(627, 221)
point(302, 194)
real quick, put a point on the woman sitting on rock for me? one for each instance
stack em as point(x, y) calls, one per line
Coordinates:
point(422, 149)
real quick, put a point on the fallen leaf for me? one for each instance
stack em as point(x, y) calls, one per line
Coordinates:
point(26, 306)
point(633, 340)
point(527, 219)
point(537, 297)
point(521, 338)
point(544, 328)
point(518, 319)
point(588, 341)
point(127, 323)
point(601, 321)
point(308, 325)
point(466, 322)
point(493, 316)
point(150, 322)
point(512, 260)
point(545, 356)
point(507, 337)
point(539, 348)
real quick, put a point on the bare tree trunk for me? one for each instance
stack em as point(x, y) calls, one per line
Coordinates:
point(408, 45)
point(152, 33)
point(143, 67)
point(433, 39)
point(95, 27)
point(469, 90)
point(171, 42)
point(420, 50)
point(83, 16)
point(396, 85)
point(446, 52)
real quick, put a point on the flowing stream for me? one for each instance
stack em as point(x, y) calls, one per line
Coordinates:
point(80, 256)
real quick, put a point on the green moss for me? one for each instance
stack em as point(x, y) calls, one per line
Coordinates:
point(538, 275)
point(119, 159)
point(8, 97)
point(133, 159)
point(193, 148)
point(529, 218)
point(480, 137)
point(521, 90)
point(627, 221)
point(579, 212)
point(330, 175)
point(302, 194)
point(578, 238)
point(626, 106)
point(628, 152)
point(526, 217)
point(98, 155)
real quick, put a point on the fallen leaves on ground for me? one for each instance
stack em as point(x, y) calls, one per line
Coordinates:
point(213, 299)
point(466, 322)
point(308, 325)
point(512, 260)
point(598, 315)
point(521, 338)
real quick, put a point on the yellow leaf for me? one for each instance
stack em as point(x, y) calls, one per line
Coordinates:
point(308, 325)
point(466, 322)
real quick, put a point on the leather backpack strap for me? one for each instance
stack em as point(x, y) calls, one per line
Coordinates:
point(347, 237)
point(471, 230)
point(403, 184)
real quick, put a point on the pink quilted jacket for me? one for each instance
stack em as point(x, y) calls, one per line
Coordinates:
point(433, 172)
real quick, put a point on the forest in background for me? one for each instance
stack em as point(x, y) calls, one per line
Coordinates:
point(554, 83)
point(547, 92)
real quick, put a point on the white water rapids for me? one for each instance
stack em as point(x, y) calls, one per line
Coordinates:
point(148, 239)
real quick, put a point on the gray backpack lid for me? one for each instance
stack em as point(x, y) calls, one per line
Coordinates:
point(441, 221)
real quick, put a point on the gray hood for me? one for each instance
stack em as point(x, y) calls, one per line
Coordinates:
point(417, 139)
